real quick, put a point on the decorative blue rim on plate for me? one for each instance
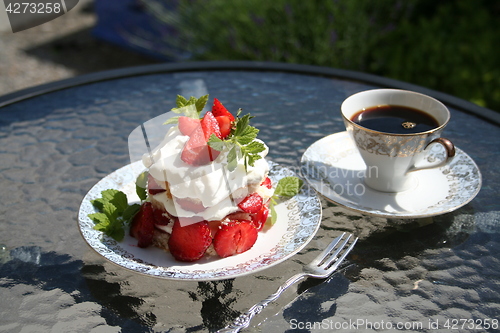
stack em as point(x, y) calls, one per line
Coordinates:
point(298, 221)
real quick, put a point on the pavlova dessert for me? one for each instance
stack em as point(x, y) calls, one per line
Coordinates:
point(205, 191)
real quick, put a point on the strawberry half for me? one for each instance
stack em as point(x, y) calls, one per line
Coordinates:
point(187, 124)
point(225, 125)
point(234, 237)
point(260, 219)
point(160, 217)
point(252, 203)
point(196, 150)
point(267, 183)
point(189, 243)
point(143, 225)
point(220, 110)
point(210, 126)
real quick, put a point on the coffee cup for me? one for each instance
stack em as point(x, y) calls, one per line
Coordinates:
point(394, 131)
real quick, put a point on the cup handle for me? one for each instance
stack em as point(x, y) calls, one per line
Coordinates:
point(450, 152)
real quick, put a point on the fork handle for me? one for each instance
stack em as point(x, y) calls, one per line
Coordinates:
point(243, 321)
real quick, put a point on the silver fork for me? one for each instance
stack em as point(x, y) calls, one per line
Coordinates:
point(321, 267)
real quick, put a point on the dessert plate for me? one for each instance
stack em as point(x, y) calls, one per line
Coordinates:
point(298, 221)
point(334, 168)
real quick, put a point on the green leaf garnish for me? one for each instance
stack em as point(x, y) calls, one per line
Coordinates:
point(141, 184)
point(114, 213)
point(286, 187)
point(191, 107)
point(240, 143)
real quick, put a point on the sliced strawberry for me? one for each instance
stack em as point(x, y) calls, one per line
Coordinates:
point(240, 216)
point(187, 124)
point(189, 243)
point(196, 151)
point(259, 219)
point(234, 238)
point(160, 217)
point(225, 125)
point(143, 225)
point(210, 126)
point(251, 204)
point(267, 183)
point(153, 187)
point(220, 110)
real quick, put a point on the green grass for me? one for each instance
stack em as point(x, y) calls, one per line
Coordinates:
point(448, 45)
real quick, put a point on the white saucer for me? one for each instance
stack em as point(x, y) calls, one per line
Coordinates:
point(334, 168)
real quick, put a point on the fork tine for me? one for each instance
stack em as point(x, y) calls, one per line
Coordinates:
point(316, 261)
point(342, 257)
point(333, 257)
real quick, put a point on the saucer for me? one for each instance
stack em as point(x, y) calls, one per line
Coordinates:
point(334, 168)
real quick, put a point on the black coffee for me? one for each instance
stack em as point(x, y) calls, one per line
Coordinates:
point(395, 119)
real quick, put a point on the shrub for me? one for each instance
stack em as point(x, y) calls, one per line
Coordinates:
point(447, 46)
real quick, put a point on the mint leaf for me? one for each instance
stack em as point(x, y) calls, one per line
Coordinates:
point(232, 159)
point(255, 147)
point(120, 201)
point(141, 184)
point(98, 203)
point(130, 212)
point(191, 107)
point(247, 135)
point(201, 102)
point(216, 143)
point(274, 215)
point(99, 218)
point(241, 143)
point(288, 186)
point(116, 233)
point(180, 101)
point(112, 213)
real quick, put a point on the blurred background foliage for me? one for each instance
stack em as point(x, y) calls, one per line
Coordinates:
point(447, 45)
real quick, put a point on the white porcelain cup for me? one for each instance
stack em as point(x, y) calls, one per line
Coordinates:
point(391, 158)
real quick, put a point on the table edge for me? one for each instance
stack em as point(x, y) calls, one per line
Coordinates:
point(187, 66)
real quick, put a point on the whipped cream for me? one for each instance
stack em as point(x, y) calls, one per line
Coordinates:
point(213, 185)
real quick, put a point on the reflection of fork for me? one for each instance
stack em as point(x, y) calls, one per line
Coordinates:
point(321, 267)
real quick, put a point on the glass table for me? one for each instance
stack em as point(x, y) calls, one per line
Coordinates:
point(58, 140)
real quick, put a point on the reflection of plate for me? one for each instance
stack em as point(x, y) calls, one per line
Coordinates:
point(298, 220)
point(333, 166)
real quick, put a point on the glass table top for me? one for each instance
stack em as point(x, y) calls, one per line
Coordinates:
point(55, 146)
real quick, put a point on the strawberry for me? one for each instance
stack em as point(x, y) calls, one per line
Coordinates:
point(153, 187)
point(267, 183)
point(252, 203)
point(160, 217)
point(189, 243)
point(210, 126)
point(187, 124)
point(240, 216)
point(220, 110)
point(225, 125)
point(259, 219)
point(143, 225)
point(196, 150)
point(234, 237)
